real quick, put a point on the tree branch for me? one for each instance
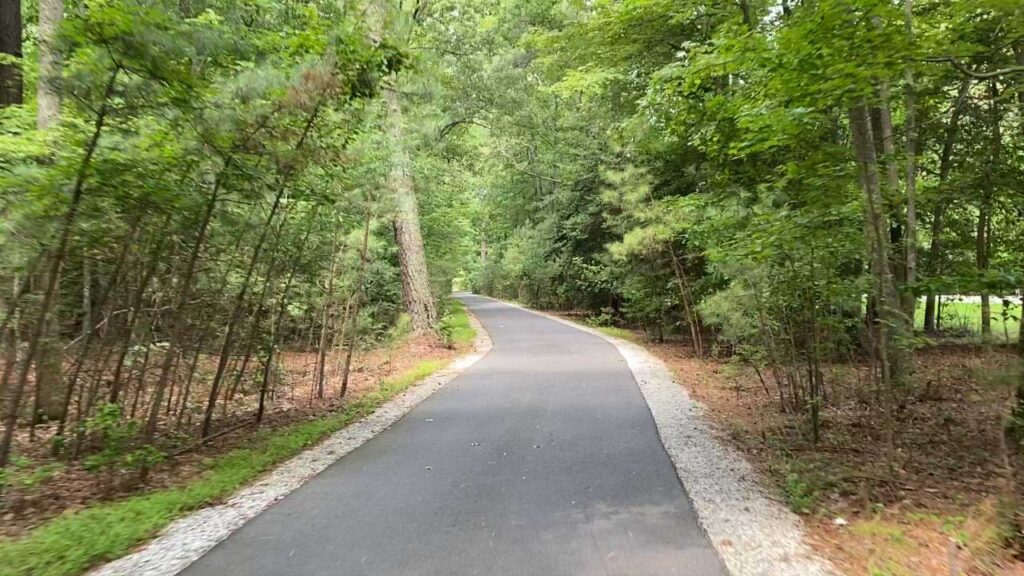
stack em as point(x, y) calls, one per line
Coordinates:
point(447, 128)
point(974, 74)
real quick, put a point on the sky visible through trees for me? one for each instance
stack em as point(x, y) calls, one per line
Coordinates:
point(190, 189)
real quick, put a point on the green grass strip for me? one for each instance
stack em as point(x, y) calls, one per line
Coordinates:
point(76, 541)
point(456, 324)
point(616, 332)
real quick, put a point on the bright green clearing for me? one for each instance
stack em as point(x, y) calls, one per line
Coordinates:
point(70, 544)
point(965, 317)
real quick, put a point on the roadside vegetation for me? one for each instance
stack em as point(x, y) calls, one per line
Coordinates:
point(210, 230)
point(455, 328)
point(77, 540)
point(223, 216)
point(815, 206)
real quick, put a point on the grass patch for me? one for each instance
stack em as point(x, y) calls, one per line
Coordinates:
point(455, 327)
point(965, 317)
point(804, 482)
point(23, 473)
point(616, 332)
point(72, 543)
point(880, 530)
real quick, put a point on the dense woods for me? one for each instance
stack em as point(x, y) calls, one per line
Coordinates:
point(805, 189)
point(190, 190)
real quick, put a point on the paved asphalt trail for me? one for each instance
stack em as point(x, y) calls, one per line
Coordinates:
point(541, 459)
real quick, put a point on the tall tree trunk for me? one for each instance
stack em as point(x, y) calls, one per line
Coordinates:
point(177, 328)
point(886, 328)
point(416, 296)
point(56, 263)
point(275, 327)
point(981, 244)
point(51, 12)
point(877, 230)
point(11, 85)
point(253, 260)
point(86, 326)
point(945, 167)
point(891, 199)
point(364, 251)
point(910, 127)
point(320, 369)
point(49, 367)
point(686, 296)
point(10, 342)
point(983, 239)
point(48, 404)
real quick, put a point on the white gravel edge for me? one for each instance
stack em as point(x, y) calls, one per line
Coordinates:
point(753, 534)
point(188, 538)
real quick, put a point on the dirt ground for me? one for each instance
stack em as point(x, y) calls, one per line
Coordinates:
point(44, 488)
point(927, 506)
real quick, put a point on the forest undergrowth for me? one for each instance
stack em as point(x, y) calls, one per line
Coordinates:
point(61, 518)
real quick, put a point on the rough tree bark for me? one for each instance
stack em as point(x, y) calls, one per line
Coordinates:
point(51, 12)
point(416, 296)
point(11, 86)
point(48, 402)
point(49, 367)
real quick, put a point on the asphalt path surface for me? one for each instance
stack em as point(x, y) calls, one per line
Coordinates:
point(540, 459)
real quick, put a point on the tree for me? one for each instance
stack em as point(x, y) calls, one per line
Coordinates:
point(10, 53)
point(416, 295)
point(51, 13)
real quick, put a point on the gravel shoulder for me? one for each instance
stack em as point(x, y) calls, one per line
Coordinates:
point(753, 534)
point(188, 538)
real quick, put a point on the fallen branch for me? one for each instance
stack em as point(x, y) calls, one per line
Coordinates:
point(213, 436)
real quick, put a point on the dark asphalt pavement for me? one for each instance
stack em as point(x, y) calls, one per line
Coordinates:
point(541, 459)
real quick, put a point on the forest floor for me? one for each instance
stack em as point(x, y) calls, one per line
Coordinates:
point(40, 488)
point(935, 505)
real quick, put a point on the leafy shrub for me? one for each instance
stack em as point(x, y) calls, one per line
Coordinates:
point(605, 318)
point(454, 326)
point(118, 440)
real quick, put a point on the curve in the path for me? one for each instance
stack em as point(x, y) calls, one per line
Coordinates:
point(541, 459)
